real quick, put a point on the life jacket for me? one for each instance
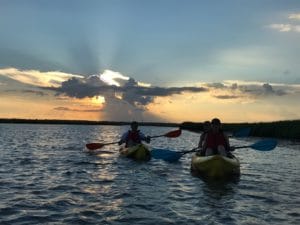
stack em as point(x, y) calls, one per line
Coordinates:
point(133, 137)
point(213, 140)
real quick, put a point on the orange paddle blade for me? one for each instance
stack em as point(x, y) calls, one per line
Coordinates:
point(94, 146)
point(173, 134)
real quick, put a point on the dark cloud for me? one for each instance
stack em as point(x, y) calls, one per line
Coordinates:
point(234, 90)
point(40, 93)
point(216, 85)
point(268, 90)
point(121, 110)
point(81, 88)
point(226, 96)
point(130, 91)
point(126, 102)
point(75, 110)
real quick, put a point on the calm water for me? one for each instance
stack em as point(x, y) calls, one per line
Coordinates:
point(46, 177)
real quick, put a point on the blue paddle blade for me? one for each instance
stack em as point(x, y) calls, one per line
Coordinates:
point(244, 132)
point(265, 145)
point(165, 154)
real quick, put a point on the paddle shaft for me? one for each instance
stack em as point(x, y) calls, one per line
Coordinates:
point(189, 151)
point(157, 136)
point(111, 143)
point(171, 134)
point(245, 146)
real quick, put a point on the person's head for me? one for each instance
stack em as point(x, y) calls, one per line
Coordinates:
point(206, 126)
point(216, 124)
point(134, 125)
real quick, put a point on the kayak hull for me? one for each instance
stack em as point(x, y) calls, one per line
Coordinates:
point(139, 152)
point(215, 166)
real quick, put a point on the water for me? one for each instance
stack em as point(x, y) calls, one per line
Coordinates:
point(46, 177)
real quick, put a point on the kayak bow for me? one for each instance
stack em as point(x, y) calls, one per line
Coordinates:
point(139, 152)
point(215, 166)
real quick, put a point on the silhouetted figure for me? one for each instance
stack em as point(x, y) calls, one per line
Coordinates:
point(134, 136)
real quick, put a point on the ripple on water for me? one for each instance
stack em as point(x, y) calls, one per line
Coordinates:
point(47, 178)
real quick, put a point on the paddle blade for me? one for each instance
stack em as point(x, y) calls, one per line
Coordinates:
point(173, 134)
point(166, 155)
point(265, 145)
point(94, 146)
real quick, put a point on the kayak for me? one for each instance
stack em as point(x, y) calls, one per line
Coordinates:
point(215, 166)
point(139, 152)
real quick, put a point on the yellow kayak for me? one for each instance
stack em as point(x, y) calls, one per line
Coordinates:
point(215, 166)
point(139, 152)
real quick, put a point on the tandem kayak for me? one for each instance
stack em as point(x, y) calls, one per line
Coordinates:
point(215, 166)
point(139, 152)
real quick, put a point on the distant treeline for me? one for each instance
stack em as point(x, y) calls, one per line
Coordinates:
point(279, 129)
point(85, 122)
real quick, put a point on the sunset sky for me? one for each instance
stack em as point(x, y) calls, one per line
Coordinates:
point(150, 60)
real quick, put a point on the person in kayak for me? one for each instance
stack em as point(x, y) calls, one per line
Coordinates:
point(216, 141)
point(206, 129)
point(134, 136)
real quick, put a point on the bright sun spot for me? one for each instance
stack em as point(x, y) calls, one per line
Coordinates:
point(98, 100)
point(109, 77)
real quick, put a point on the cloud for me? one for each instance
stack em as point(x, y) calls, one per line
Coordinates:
point(295, 16)
point(119, 91)
point(40, 93)
point(226, 96)
point(125, 98)
point(285, 27)
point(268, 90)
point(75, 110)
point(37, 78)
point(120, 110)
point(288, 27)
point(130, 90)
point(243, 90)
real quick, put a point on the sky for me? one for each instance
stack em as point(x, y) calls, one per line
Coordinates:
point(151, 61)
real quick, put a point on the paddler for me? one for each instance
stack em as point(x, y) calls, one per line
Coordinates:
point(216, 141)
point(206, 127)
point(134, 136)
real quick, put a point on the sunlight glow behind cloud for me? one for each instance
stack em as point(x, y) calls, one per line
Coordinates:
point(111, 91)
point(110, 77)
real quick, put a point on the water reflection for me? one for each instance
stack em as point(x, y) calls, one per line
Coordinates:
point(45, 166)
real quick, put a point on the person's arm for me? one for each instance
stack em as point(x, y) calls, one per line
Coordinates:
point(204, 142)
point(228, 148)
point(123, 138)
point(144, 138)
point(200, 144)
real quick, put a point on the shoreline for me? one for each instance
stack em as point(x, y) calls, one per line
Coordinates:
point(289, 129)
point(84, 122)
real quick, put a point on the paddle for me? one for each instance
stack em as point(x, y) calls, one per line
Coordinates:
point(94, 146)
point(169, 155)
point(263, 145)
point(172, 156)
point(171, 134)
